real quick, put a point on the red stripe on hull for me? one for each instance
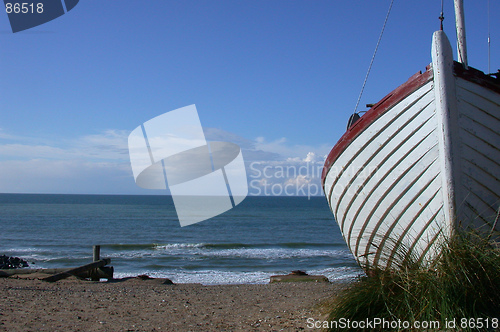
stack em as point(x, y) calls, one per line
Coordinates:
point(397, 95)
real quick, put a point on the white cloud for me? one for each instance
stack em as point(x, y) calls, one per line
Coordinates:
point(215, 134)
point(7, 136)
point(31, 151)
point(89, 164)
point(65, 176)
point(311, 157)
point(294, 170)
point(109, 145)
point(299, 180)
point(291, 152)
point(99, 163)
point(290, 177)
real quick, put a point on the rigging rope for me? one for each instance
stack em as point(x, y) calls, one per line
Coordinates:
point(489, 45)
point(373, 57)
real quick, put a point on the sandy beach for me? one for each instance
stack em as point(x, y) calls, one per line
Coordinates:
point(152, 305)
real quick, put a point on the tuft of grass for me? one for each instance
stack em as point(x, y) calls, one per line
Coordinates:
point(462, 282)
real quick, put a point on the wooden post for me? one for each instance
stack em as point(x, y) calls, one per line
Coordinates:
point(96, 253)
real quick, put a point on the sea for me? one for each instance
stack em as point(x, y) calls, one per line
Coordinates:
point(260, 237)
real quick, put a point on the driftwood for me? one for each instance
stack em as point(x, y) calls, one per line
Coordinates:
point(78, 270)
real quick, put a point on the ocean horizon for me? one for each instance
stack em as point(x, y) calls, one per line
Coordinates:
point(260, 237)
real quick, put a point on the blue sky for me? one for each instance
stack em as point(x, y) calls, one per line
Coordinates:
point(280, 78)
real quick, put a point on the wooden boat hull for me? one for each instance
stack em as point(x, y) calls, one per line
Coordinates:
point(420, 164)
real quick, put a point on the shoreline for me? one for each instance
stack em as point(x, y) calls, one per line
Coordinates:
point(205, 277)
point(133, 304)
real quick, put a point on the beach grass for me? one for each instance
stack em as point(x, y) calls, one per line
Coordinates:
point(462, 283)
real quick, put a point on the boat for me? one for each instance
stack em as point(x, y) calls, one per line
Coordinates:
point(421, 164)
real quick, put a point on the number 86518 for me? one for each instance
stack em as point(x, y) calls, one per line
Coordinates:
point(24, 8)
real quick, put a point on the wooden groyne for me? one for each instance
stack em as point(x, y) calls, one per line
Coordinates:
point(94, 271)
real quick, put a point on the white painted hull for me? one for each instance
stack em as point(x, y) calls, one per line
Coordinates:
point(480, 153)
point(420, 164)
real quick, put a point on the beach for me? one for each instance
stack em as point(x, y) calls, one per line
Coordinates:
point(220, 268)
point(133, 304)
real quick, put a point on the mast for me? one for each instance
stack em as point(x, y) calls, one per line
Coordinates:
point(460, 24)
